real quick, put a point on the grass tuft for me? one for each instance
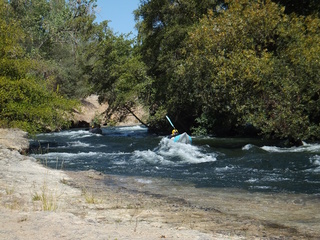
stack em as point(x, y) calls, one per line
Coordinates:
point(90, 197)
point(48, 199)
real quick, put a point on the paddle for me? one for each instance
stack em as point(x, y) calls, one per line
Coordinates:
point(170, 121)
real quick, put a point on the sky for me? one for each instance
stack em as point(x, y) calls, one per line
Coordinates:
point(119, 12)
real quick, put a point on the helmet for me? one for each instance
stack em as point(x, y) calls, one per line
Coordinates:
point(174, 131)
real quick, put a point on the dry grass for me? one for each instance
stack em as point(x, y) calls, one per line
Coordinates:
point(47, 198)
point(9, 199)
point(90, 197)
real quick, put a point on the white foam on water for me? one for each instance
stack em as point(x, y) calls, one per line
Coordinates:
point(248, 147)
point(84, 145)
point(252, 180)
point(119, 162)
point(169, 152)
point(79, 144)
point(86, 135)
point(224, 169)
point(313, 148)
point(65, 155)
point(261, 187)
point(274, 178)
point(133, 128)
point(315, 160)
point(185, 152)
point(72, 156)
point(70, 134)
point(150, 157)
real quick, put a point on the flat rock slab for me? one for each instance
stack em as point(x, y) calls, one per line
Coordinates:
point(14, 139)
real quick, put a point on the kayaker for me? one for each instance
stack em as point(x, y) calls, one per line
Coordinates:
point(174, 132)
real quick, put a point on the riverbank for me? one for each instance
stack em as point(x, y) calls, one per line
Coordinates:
point(41, 203)
point(37, 203)
point(91, 109)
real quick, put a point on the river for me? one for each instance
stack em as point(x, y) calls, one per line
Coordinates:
point(249, 164)
point(257, 178)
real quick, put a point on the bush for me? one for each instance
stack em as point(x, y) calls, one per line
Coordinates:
point(28, 105)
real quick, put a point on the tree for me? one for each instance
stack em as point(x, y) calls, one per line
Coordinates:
point(11, 52)
point(163, 29)
point(28, 105)
point(245, 62)
point(255, 64)
point(57, 32)
point(115, 70)
point(25, 100)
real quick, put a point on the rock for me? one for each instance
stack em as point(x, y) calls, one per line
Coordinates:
point(91, 109)
point(96, 130)
point(80, 124)
point(14, 139)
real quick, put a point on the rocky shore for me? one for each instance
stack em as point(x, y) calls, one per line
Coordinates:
point(14, 139)
point(41, 203)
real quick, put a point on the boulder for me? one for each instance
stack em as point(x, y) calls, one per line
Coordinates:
point(14, 139)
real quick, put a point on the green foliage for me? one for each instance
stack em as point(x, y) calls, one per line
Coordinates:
point(254, 64)
point(25, 100)
point(163, 31)
point(27, 105)
point(244, 62)
point(213, 66)
point(57, 32)
point(115, 70)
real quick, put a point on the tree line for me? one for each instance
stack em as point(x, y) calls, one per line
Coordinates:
point(215, 67)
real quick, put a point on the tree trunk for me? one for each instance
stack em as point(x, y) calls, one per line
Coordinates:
point(130, 111)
